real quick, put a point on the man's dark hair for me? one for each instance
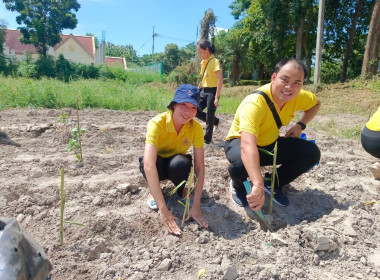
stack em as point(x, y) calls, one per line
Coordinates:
point(298, 62)
point(205, 44)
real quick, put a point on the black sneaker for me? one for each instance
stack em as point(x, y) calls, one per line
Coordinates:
point(278, 196)
point(238, 197)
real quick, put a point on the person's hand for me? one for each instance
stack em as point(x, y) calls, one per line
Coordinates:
point(196, 214)
point(216, 102)
point(256, 198)
point(295, 131)
point(168, 220)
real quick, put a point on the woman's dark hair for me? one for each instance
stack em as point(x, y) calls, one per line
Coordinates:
point(205, 44)
point(298, 62)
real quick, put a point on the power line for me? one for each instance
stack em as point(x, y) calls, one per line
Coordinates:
point(172, 38)
point(145, 43)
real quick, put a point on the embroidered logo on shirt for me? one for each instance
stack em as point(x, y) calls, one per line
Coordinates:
point(185, 142)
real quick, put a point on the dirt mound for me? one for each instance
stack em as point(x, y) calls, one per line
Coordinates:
point(327, 231)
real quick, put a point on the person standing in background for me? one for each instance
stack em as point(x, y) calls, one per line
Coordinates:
point(210, 86)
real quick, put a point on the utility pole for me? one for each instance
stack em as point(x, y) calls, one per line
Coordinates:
point(154, 35)
point(318, 52)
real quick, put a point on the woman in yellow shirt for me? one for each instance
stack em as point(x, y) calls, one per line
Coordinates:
point(210, 86)
point(370, 139)
point(168, 139)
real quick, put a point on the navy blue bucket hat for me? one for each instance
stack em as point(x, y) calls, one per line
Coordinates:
point(185, 93)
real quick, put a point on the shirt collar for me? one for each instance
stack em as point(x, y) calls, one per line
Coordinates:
point(204, 62)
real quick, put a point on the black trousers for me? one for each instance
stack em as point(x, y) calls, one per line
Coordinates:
point(371, 141)
point(295, 155)
point(176, 168)
point(207, 98)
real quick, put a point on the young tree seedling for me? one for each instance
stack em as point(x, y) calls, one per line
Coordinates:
point(190, 188)
point(63, 202)
point(274, 174)
point(75, 143)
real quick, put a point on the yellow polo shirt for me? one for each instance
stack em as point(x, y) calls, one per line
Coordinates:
point(162, 134)
point(374, 122)
point(254, 116)
point(209, 77)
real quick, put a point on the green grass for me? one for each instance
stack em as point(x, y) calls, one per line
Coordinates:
point(110, 94)
point(358, 98)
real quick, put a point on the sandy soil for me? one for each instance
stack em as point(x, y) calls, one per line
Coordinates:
point(327, 231)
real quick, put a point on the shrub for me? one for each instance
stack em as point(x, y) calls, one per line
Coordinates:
point(63, 68)
point(27, 68)
point(185, 74)
point(45, 66)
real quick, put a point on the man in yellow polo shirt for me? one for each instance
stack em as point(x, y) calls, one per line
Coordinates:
point(254, 126)
point(370, 139)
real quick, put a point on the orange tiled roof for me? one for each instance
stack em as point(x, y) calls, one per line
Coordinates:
point(11, 40)
point(114, 60)
point(12, 35)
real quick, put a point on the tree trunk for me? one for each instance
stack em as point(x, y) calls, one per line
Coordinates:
point(347, 52)
point(307, 56)
point(300, 30)
point(260, 75)
point(371, 54)
point(235, 70)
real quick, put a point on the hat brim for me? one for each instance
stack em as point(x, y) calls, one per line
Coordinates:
point(171, 104)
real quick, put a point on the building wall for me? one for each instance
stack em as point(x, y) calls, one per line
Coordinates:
point(74, 52)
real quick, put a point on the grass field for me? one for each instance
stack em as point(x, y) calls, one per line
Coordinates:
point(356, 97)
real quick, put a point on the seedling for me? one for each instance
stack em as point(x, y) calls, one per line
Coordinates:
point(190, 188)
point(75, 143)
point(274, 174)
point(63, 202)
point(63, 118)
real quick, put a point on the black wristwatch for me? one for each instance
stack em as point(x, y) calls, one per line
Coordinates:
point(303, 126)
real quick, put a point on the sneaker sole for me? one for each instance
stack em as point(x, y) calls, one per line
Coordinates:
point(152, 204)
point(232, 190)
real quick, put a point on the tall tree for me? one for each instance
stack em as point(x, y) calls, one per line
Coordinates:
point(171, 58)
point(232, 49)
point(44, 20)
point(372, 48)
point(207, 25)
point(239, 7)
point(348, 49)
point(343, 38)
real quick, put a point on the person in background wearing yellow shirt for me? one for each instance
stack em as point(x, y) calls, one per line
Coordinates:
point(210, 86)
point(168, 139)
point(254, 126)
point(370, 139)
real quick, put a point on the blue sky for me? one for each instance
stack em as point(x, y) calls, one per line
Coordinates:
point(127, 22)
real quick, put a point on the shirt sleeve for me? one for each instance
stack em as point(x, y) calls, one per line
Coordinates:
point(250, 117)
point(216, 65)
point(152, 133)
point(307, 100)
point(198, 141)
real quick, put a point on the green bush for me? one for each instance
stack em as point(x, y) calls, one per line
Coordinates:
point(86, 71)
point(63, 68)
point(105, 72)
point(185, 74)
point(45, 66)
point(27, 68)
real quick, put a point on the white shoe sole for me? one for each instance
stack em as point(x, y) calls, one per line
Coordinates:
point(152, 204)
